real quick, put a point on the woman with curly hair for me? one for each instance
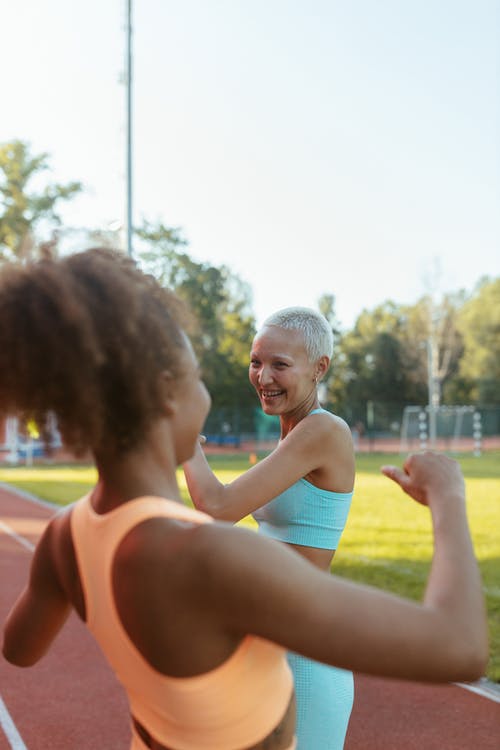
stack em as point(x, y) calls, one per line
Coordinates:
point(195, 616)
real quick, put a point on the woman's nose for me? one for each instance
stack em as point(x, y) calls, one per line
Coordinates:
point(265, 375)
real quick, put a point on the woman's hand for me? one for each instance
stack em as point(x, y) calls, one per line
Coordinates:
point(428, 476)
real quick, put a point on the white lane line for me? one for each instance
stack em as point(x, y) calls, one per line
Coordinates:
point(9, 728)
point(484, 687)
point(22, 541)
point(28, 496)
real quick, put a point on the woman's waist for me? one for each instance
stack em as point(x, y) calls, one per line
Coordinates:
point(313, 533)
point(280, 737)
point(231, 706)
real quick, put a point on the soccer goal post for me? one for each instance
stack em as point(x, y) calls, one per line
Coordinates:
point(457, 428)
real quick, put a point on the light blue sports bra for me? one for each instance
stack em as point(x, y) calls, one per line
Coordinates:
point(306, 515)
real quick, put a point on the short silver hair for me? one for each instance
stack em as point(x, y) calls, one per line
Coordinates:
point(318, 334)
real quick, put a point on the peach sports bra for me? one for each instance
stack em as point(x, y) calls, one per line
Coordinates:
point(233, 706)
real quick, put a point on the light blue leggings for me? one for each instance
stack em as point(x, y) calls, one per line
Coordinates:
point(324, 702)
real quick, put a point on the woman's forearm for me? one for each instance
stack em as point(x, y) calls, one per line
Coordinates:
point(454, 592)
point(203, 486)
point(454, 584)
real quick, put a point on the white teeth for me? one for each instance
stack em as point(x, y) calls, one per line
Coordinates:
point(270, 394)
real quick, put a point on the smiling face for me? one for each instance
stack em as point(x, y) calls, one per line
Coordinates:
point(281, 372)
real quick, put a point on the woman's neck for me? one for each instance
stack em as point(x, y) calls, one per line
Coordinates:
point(290, 420)
point(145, 470)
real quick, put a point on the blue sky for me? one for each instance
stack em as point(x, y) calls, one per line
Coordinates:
point(347, 147)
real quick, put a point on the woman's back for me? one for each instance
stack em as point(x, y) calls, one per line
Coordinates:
point(174, 663)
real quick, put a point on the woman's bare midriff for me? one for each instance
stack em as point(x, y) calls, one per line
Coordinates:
point(281, 738)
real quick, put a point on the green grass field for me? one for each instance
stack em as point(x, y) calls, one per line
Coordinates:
point(387, 541)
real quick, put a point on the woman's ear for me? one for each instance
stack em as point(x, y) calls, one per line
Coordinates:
point(167, 391)
point(322, 366)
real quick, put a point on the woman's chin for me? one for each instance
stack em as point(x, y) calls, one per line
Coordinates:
point(269, 408)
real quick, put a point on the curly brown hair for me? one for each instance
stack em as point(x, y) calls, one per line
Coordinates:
point(84, 338)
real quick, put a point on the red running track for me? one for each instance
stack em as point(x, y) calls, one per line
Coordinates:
point(71, 701)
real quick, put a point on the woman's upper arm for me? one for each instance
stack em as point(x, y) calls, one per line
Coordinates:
point(308, 447)
point(41, 609)
point(270, 591)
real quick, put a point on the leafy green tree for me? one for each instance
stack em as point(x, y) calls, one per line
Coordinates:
point(22, 210)
point(385, 359)
point(479, 324)
point(221, 305)
point(372, 366)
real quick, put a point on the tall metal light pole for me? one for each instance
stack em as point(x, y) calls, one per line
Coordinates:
point(129, 228)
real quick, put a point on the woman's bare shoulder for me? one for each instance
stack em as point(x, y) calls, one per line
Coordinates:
point(330, 440)
point(329, 420)
point(324, 426)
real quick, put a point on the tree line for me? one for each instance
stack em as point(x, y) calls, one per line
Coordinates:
point(446, 350)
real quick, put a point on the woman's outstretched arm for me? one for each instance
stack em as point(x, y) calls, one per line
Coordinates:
point(324, 441)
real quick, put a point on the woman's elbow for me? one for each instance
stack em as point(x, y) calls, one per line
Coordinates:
point(18, 657)
point(476, 664)
point(20, 648)
point(220, 507)
point(470, 659)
